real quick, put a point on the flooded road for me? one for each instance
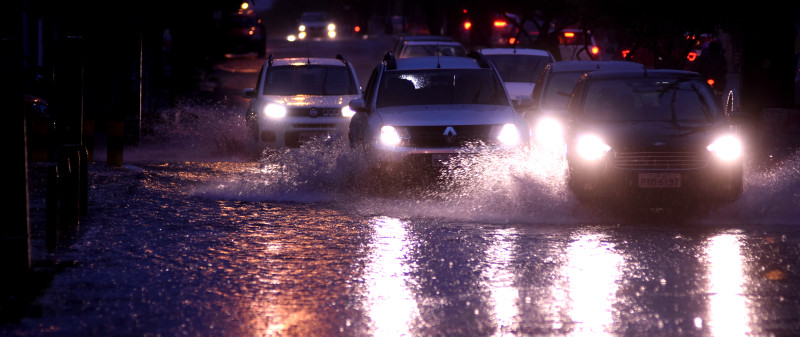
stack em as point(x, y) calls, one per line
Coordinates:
point(195, 236)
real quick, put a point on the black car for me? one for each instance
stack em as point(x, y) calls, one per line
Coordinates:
point(654, 136)
point(244, 33)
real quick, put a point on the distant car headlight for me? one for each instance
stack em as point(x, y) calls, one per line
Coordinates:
point(591, 147)
point(347, 112)
point(509, 135)
point(275, 110)
point(391, 135)
point(549, 133)
point(302, 28)
point(331, 27)
point(301, 35)
point(727, 148)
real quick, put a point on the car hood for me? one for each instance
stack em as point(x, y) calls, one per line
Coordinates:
point(312, 100)
point(519, 89)
point(657, 135)
point(432, 115)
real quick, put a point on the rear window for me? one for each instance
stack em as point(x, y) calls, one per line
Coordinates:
point(650, 99)
point(519, 68)
point(309, 80)
point(445, 86)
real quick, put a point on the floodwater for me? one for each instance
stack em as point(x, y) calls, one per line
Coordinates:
point(195, 235)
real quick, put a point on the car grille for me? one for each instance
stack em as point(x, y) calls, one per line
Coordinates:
point(659, 160)
point(320, 112)
point(434, 136)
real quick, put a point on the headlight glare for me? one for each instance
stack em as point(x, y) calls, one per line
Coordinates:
point(591, 147)
point(347, 112)
point(331, 27)
point(302, 28)
point(727, 148)
point(549, 133)
point(509, 135)
point(275, 110)
point(393, 136)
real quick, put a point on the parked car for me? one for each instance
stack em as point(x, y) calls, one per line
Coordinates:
point(297, 100)
point(651, 137)
point(419, 112)
point(315, 25)
point(551, 92)
point(430, 47)
point(518, 67)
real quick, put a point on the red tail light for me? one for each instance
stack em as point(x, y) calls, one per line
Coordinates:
point(691, 56)
point(625, 53)
point(595, 50)
point(500, 23)
point(467, 25)
point(710, 82)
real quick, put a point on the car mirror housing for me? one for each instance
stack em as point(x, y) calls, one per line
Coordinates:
point(249, 93)
point(523, 102)
point(358, 105)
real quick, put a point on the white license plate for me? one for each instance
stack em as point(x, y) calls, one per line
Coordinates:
point(659, 180)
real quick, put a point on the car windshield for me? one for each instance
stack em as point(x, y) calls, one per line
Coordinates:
point(441, 86)
point(559, 89)
point(650, 99)
point(308, 80)
point(518, 67)
point(433, 50)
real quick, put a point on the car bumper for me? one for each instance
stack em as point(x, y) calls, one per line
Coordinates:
point(398, 157)
point(714, 182)
point(295, 131)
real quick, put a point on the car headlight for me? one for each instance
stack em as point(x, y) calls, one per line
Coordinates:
point(727, 148)
point(301, 35)
point(591, 147)
point(347, 112)
point(549, 133)
point(302, 28)
point(331, 27)
point(275, 110)
point(508, 135)
point(391, 135)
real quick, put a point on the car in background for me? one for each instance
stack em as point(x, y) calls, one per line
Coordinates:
point(298, 100)
point(430, 47)
point(244, 32)
point(518, 67)
point(651, 138)
point(420, 112)
point(315, 25)
point(401, 41)
point(551, 92)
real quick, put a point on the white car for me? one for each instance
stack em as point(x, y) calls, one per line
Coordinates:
point(419, 112)
point(300, 99)
point(518, 67)
point(416, 48)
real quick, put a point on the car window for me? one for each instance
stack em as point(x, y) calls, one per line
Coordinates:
point(309, 80)
point(650, 100)
point(559, 89)
point(519, 68)
point(433, 87)
point(433, 50)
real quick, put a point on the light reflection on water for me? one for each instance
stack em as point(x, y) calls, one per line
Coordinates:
point(729, 311)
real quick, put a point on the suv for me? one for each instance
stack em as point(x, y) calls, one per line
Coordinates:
point(651, 136)
point(552, 91)
point(428, 45)
point(418, 112)
point(299, 99)
point(315, 25)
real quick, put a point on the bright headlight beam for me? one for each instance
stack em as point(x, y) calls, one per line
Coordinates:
point(347, 112)
point(509, 135)
point(591, 147)
point(389, 135)
point(549, 132)
point(726, 148)
point(275, 111)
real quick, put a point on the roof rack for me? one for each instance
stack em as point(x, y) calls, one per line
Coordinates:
point(391, 61)
point(269, 59)
point(341, 58)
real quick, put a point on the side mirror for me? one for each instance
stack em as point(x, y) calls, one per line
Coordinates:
point(249, 93)
point(523, 102)
point(358, 105)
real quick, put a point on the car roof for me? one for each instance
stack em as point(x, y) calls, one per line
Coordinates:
point(308, 60)
point(433, 43)
point(509, 51)
point(425, 38)
point(587, 66)
point(642, 73)
point(435, 62)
